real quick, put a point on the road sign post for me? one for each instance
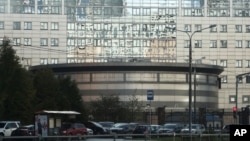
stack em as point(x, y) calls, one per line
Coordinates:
point(150, 97)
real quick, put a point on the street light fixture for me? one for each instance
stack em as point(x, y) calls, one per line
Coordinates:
point(190, 67)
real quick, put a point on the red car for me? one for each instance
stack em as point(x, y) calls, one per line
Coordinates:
point(73, 129)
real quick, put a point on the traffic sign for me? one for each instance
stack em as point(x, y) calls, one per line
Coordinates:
point(150, 94)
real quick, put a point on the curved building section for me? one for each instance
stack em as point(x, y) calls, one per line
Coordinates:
point(169, 81)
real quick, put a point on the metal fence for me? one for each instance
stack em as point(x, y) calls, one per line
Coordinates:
point(124, 137)
point(211, 118)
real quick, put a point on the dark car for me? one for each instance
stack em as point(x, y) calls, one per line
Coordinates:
point(142, 129)
point(96, 127)
point(226, 128)
point(73, 129)
point(27, 130)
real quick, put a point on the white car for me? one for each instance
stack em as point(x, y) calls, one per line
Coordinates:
point(90, 131)
point(6, 127)
point(195, 129)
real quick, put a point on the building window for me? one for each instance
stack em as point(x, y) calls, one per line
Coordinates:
point(81, 43)
point(54, 41)
point(247, 79)
point(248, 44)
point(187, 27)
point(238, 63)
point(245, 99)
point(54, 60)
point(27, 41)
point(197, 43)
point(27, 25)
point(71, 26)
point(44, 42)
point(16, 41)
point(223, 43)
point(146, 11)
point(107, 11)
point(223, 79)
point(1, 25)
point(186, 43)
point(224, 13)
point(16, 25)
point(238, 44)
point(247, 28)
point(54, 26)
point(238, 28)
point(44, 26)
point(28, 9)
point(2, 9)
point(232, 99)
point(247, 63)
point(97, 11)
point(223, 63)
point(213, 29)
point(27, 62)
point(136, 11)
point(71, 42)
point(223, 28)
point(43, 61)
point(213, 44)
point(213, 62)
point(197, 27)
point(55, 10)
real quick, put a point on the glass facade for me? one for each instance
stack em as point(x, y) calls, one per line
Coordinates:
point(77, 31)
point(119, 30)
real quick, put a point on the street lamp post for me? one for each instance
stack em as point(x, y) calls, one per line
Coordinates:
point(190, 69)
point(238, 78)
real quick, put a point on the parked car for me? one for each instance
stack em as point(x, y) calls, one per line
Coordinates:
point(27, 130)
point(155, 128)
point(195, 129)
point(226, 128)
point(90, 131)
point(96, 127)
point(6, 127)
point(73, 129)
point(142, 129)
point(120, 128)
point(132, 126)
point(171, 128)
point(107, 125)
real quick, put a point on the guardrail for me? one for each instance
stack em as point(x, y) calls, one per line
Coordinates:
point(119, 137)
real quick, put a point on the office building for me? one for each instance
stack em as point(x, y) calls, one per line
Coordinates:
point(135, 31)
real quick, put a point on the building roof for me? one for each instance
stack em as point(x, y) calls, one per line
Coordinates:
point(130, 66)
point(58, 112)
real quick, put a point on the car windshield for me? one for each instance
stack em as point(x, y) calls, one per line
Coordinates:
point(106, 124)
point(141, 127)
point(97, 124)
point(119, 125)
point(192, 126)
point(2, 125)
point(170, 126)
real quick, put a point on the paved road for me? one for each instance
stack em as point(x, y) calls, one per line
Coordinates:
point(114, 140)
